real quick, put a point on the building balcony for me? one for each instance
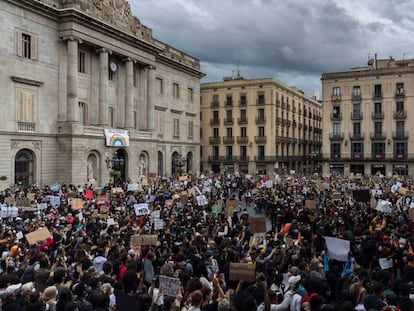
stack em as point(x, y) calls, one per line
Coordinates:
point(281, 139)
point(378, 156)
point(260, 139)
point(399, 93)
point(377, 95)
point(377, 115)
point(378, 136)
point(228, 121)
point(283, 105)
point(401, 114)
point(26, 127)
point(260, 101)
point(305, 127)
point(356, 136)
point(278, 121)
point(335, 156)
point(261, 120)
point(215, 121)
point(243, 158)
point(266, 158)
point(278, 103)
point(228, 140)
point(357, 156)
point(215, 104)
point(243, 102)
point(228, 103)
point(294, 109)
point(336, 116)
point(214, 140)
point(242, 120)
point(294, 124)
point(215, 159)
point(402, 135)
point(288, 107)
point(336, 136)
point(356, 97)
point(242, 139)
point(335, 98)
point(356, 115)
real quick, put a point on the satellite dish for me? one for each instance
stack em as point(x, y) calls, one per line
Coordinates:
point(371, 62)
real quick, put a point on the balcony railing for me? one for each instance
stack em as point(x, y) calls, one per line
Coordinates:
point(228, 121)
point(260, 139)
point(26, 127)
point(215, 104)
point(400, 135)
point(242, 120)
point(336, 116)
point(242, 139)
point(356, 115)
point(228, 103)
point(278, 103)
point(378, 135)
point(261, 120)
point(266, 158)
point(215, 140)
point(336, 136)
point(260, 101)
point(214, 159)
point(228, 139)
point(377, 115)
point(400, 114)
point(357, 155)
point(399, 93)
point(377, 95)
point(401, 156)
point(378, 156)
point(335, 98)
point(215, 121)
point(243, 158)
point(356, 136)
point(243, 102)
point(356, 97)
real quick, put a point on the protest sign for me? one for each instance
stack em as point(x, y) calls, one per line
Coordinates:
point(230, 211)
point(257, 224)
point(103, 216)
point(89, 194)
point(141, 209)
point(310, 204)
point(117, 190)
point(158, 224)
point(233, 202)
point(148, 239)
point(257, 239)
point(9, 201)
point(411, 213)
point(156, 214)
point(38, 235)
point(132, 187)
point(22, 202)
point(336, 196)
point(182, 178)
point(242, 271)
point(361, 195)
point(184, 198)
point(77, 204)
point(110, 221)
point(104, 209)
point(385, 263)
point(384, 207)
point(269, 184)
point(216, 209)
point(31, 196)
point(201, 200)
point(54, 201)
point(337, 248)
point(405, 191)
point(169, 286)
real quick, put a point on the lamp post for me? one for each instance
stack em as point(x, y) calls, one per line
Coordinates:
point(113, 163)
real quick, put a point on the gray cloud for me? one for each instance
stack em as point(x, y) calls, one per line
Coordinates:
point(294, 41)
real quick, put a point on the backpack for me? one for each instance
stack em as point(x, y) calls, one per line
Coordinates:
point(29, 273)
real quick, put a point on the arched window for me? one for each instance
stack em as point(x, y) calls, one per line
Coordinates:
point(24, 168)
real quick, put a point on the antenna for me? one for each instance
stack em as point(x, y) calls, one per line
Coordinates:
point(403, 55)
point(238, 68)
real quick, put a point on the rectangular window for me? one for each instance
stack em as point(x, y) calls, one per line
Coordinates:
point(229, 132)
point(399, 106)
point(26, 45)
point(261, 152)
point(216, 132)
point(336, 151)
point(190, 95)
point(336, 128)
point(357, 128)
point(26, 104)
point(377, 90)
point(261, 98)
point(261, 131)
point(159, 86)
point(176, 130)
point(378, 128)
point(336, 112)
point(229, 152)
point(356, 148)
point(400, 150)
point(261, 114)
point(229, 114)
point(190, 129)
point(336, 91)
point(243, 100)
point(215, 115)
point(229, 100)
point(81, 62)
point(356, 91)
point(215, 101)
point(176, 90)
point(400, 127)
point(378, 150)
point(243, 115)
point(378, 108)
point(243, 152)
point(215, 151)
point(243, 131)
point(400, 89)
point(83, 117)
point(356, 108)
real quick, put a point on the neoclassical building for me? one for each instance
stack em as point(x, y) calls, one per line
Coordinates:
point(86, 89)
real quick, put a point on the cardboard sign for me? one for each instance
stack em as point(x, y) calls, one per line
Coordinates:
point(9, 201)
point(148, 239)
point(310, 204)
point(405, 191)
point(31, 196)
point(104, 209)
point(38, 235)
point(158, 224)
point(411, 213)
point(132, 187)
point(191, 192)
point(77, 204)
point(184, 198)
point(361, 195)
point(257, 224)
point(234, 203)
point(141, 209)
point(72, 194)
point(117, 190)
point(169, 286)
point(216, 209)
point(230, 211)
point(336, 196)
point(89, 194)
point(24, 202)
point(242, 271)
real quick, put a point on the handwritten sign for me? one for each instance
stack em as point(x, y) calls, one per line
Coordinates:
point(146, 239)
point(257, 224)
point(169, 286)
point(310, 204)
point(216, 209)
point(132, 187)
point(77, 204)
point(158, 224)
point(242, 271)
point(141, 209)
point(38, 235)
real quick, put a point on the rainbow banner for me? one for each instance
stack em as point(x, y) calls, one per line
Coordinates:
point(116, 138)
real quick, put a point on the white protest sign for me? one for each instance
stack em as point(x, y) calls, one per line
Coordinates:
point(155, 214)
point(385, 263)
point(269, 184)
point(201, 200)
point(394, 188)
point(169, 286)
point(4, 209)
point(141, 209)
point(337, 248)
point(158, 224)
point(110, 221)
point(19, 235)
point(54, 201)
point(132, 187)
point(384, 207)
point(42, 206)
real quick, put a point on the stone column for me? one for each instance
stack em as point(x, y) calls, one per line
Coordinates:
point(150, 98)
point(103, 86)
point(72, 105)
point(142, 106)
point(129, 104)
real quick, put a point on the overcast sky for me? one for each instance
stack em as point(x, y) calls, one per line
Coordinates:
point(294, 41)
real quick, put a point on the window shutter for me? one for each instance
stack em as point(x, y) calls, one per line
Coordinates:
point(86, 114)
point(18, 43)
point(33, 47)
point(31, 107)
point(20, 106)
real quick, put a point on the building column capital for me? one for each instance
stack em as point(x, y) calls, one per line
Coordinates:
point(71, 38)
point(103, 50)
point(129, 59)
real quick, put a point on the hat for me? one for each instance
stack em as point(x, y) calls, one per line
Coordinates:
point(131, 253)
point(294, 279)
point(11, 289)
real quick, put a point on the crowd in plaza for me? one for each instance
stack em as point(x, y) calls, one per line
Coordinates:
point(210, 242)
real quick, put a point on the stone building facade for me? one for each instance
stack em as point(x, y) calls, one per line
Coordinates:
point(259, 126)
point(71, 69)
point(367, 113)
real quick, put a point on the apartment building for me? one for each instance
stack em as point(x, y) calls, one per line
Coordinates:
point(259, 126)
point(86, 90)
point(367, 118)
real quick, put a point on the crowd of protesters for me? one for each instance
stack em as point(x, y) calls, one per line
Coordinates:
point(89, 263)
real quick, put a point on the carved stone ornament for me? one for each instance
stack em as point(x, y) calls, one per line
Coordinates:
point(14, 144)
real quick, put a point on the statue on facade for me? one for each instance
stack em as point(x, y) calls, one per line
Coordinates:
point(142, 166)
point(90, 173)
